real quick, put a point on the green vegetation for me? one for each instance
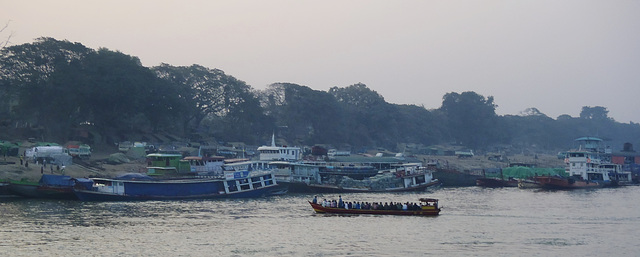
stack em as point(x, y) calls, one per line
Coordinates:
point(58, 90)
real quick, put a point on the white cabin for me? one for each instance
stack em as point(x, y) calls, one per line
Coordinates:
point(279, 153)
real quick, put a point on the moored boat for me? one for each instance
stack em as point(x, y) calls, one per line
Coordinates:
point(239, 184)
point(409, 177)
point(4, 188)
point(49, 186)
point(555, 182)
point(496, 182)
point(429, 208)
point(587, 167)
point(356, 172)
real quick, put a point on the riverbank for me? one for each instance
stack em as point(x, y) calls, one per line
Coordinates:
point(95, 166)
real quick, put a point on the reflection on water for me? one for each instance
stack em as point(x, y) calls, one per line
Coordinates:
point(474, 221)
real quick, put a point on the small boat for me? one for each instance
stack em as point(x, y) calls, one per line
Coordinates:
point(430, 208)
point(49, 186)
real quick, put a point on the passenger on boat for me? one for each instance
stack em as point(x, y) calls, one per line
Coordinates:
point(315, 199)
point(324, 203)
point(340, 202)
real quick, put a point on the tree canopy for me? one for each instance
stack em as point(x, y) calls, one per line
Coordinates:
point(54, 87)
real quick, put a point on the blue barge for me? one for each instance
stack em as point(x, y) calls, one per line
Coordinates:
point(240, 184)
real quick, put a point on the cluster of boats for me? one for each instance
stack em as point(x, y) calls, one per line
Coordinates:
point(588, 166)
point(279, 170)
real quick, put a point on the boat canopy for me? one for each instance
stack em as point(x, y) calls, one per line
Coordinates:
point(429, 200)
point(55, 180)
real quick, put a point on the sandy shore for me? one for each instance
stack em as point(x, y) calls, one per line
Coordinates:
point(16, 171)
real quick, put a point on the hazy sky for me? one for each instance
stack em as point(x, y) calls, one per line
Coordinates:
point(554, 55)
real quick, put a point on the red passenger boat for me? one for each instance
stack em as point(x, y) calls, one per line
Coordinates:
point(430, 208)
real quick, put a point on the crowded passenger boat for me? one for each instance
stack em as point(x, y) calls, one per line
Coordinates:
point(426, 207)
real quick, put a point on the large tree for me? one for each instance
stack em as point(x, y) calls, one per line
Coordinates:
point(215, 103)
point(371, 121)
point(471, 118)
point(595, 113)
point(26, 73)
point(303, 115)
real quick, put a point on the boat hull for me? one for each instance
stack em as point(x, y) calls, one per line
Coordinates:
point(528, 184)
point(495, 182)
point(432, 211)
point(138, 191)
point(39, 191)
point(551, 182)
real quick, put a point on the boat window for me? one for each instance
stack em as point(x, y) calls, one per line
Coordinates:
point(257, 185)
point(245, 187)
point(233, 187)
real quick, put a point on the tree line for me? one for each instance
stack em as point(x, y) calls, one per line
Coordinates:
point(60, 87)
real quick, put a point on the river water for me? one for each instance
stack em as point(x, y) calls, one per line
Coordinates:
point(474, 222)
